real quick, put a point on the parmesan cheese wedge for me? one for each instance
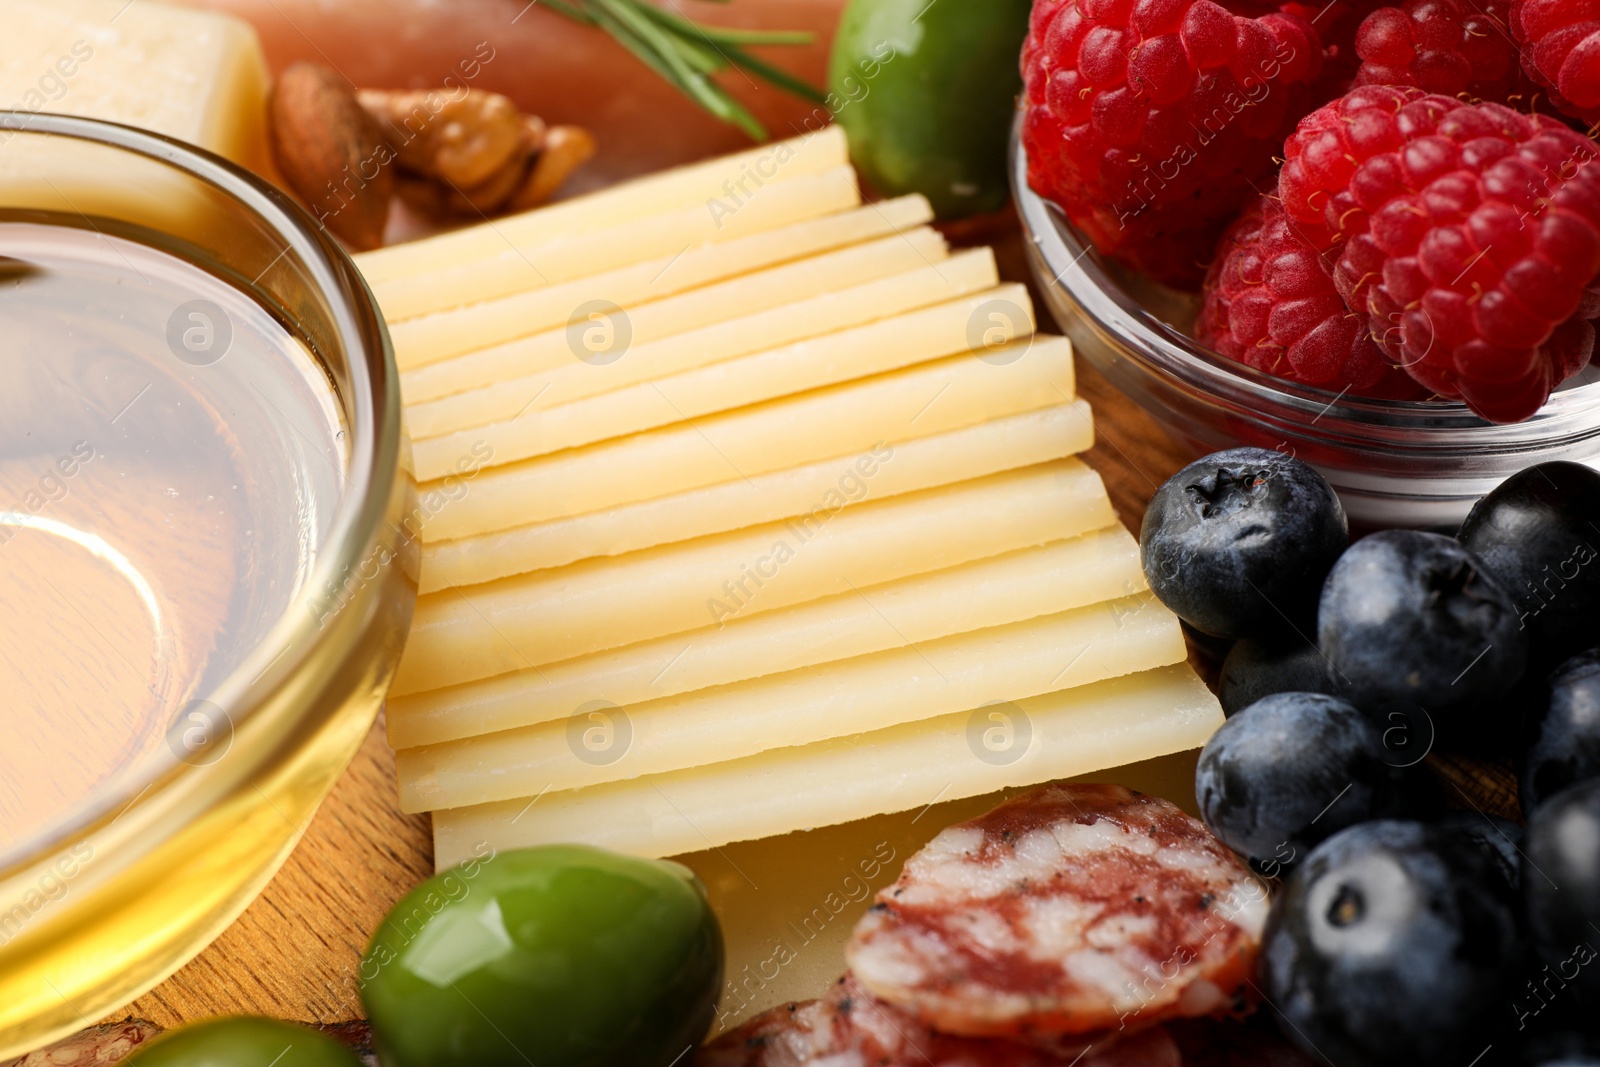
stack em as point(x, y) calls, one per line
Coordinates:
point(195, 75)
point(1095, 567)
point(461, 635)
point(693, 185)
point(901, 768)
point(199, 76)
point(778, 306)
point(888, 344)
point(441, 335)
point(728, 722)
point(923, 400)
point(888, 469)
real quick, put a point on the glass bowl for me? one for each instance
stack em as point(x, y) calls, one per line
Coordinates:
point(106, 892)
point(1393, 463)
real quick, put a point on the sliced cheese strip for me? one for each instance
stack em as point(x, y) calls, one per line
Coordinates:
point(889, 344)
point(800, 707)
point(1062, 575)
point(442, 335)
point(699, 184)
point(455, 284)
point(776, 307)
point(903, 768)
point(748, 442)
point(463, 635)
point(885, 470)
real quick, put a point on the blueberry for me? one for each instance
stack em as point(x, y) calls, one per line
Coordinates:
point(1567, 1048)
point(1291, 770)
point(1539, 533)
point(1561, 885)
point(1563, 731)
point(1392, 944)
point(1414, 618)
point(1256, 669)
point(1499, 841)
point(1237, 544)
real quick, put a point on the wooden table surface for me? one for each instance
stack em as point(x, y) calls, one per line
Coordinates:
point(294, 951)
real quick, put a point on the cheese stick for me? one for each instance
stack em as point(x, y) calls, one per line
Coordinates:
point(892, 469)
point(463, 635)
point(799, 707)
point(903, 768)
point(680, 187)
point(1088, 569)
point(563, 259)
point(441, 335)
point(808, 298)
point(889, 344)
point(931, 398)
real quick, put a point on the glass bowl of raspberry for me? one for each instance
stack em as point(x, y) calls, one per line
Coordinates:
point(1413, 463)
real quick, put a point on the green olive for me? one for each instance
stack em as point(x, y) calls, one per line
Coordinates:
point(243, 1041)
point(926, 92)
point(561, 956)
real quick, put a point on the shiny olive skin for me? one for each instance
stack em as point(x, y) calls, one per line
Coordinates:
point(243, 1041)
point(927, 93)
point(559, 956)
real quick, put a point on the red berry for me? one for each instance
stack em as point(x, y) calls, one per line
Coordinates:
point(1469, 234)
point(1451, 47)
point(1561, 51)
point(1269, 303)
point(1149, 121)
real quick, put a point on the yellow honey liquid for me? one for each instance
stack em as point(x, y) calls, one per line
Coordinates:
point(169, 459)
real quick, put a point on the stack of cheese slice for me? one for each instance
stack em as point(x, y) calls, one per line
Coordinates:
point(748, 508)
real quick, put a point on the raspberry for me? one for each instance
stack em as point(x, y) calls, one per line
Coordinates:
point(1468, 233)
point(1269, 303)
point(1337, 24)
point(1452, 47)
point(1148, 121)
point(1561, 41)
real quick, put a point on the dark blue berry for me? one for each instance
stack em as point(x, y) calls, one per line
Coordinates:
point(1561, 1048)
point(1499, 841)
point(1237, 544)
point(1561, 885)
point(1291, 770)
point(1256, 669)
point(1539, 533)
point(1563, 730)
point(1392, 944)
point(1410, 618)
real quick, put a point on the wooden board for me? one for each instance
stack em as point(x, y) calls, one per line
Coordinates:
point(293, 953)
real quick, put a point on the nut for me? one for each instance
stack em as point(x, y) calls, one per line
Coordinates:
point(463, 140)
point(332, 152)
point(566, 148)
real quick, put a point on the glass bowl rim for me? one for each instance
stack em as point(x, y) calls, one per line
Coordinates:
point(371, 406)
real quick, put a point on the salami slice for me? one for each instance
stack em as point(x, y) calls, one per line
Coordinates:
point(849, 1028)
point(1069, 909)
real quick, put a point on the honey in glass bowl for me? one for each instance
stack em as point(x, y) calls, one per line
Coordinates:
point(170, 458)
point(207, 553)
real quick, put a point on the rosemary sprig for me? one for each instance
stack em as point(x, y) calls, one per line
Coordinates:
point(686, 54)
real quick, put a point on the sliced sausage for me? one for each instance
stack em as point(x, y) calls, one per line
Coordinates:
point(849, 1028)
point(1070, 909)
